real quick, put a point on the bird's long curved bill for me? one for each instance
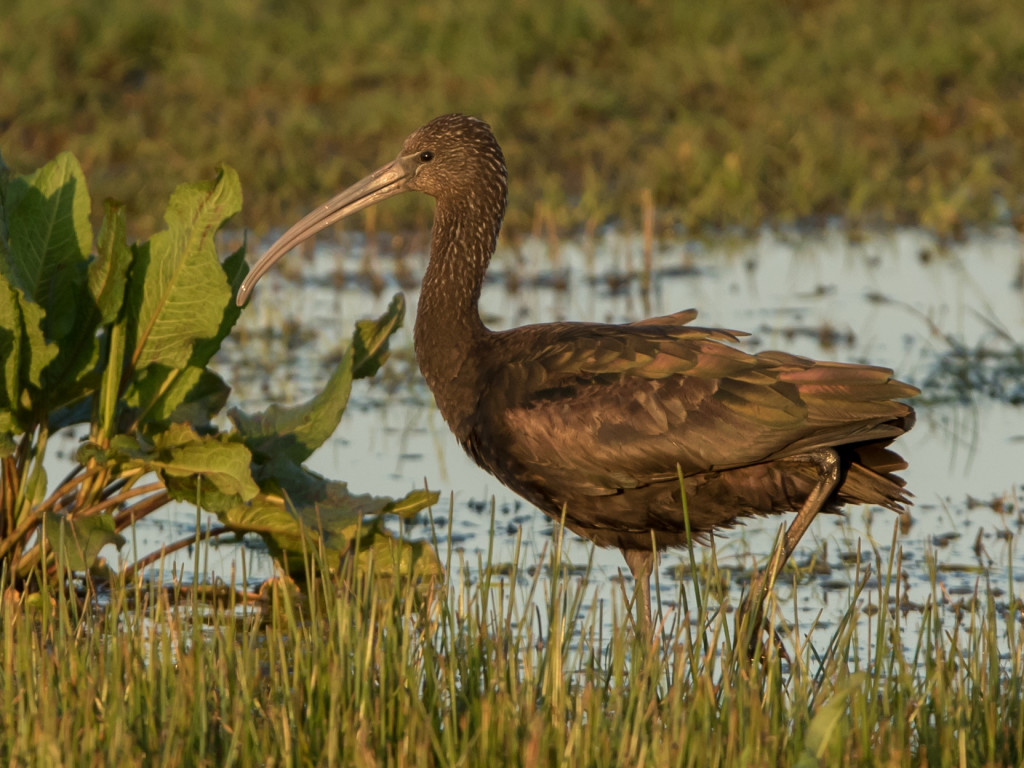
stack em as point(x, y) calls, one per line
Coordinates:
point(379, 185)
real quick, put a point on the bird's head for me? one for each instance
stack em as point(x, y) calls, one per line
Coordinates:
point(454, 158)
point(454, 155)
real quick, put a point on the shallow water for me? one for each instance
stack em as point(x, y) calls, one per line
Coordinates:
point(944, 318)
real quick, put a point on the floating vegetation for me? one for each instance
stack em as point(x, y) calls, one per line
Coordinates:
point(962, 374)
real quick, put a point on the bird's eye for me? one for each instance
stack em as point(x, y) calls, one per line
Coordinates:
point(426, 156)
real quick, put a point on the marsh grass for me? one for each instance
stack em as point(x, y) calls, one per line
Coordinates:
point(497, 669)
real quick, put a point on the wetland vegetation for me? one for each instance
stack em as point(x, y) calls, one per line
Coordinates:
point(358, 671)
point(721, 116)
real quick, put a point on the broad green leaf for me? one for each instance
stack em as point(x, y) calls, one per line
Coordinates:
point(190, 394)
point(50, 239)
point(147, 386)
point(392, 556)
point(181, 452)
point(268, 516)
point(10, 345)
point(70, 380)
point(411, 503)
point(177, 290)
point(235, 270)
point(108, 271)
point(24, 351)
point(294, 432)
point(123, 448)
point(370, 340)
point(307, 493)
point(36, 351)
point(189, 490)
point(160, 394)
point(66, 379)
point(78, 540)
point(196, 396)
point(298, 510)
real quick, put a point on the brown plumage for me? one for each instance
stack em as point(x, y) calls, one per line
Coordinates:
point(594, 418)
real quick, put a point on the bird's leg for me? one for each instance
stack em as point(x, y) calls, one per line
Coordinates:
point(827, 462)
point(641, 564)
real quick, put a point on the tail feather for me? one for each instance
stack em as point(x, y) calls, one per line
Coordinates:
point(865, 486)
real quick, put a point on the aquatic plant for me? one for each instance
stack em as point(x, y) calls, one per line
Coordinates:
point(516, 663)
point(119, 338)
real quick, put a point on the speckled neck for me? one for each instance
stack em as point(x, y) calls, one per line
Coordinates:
point(449, 331)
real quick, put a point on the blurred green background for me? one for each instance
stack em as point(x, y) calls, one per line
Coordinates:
point(732, 113)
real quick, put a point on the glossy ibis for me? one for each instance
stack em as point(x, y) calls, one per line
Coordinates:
point(591, 420)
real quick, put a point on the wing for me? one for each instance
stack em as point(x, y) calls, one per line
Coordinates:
point(602, 408)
